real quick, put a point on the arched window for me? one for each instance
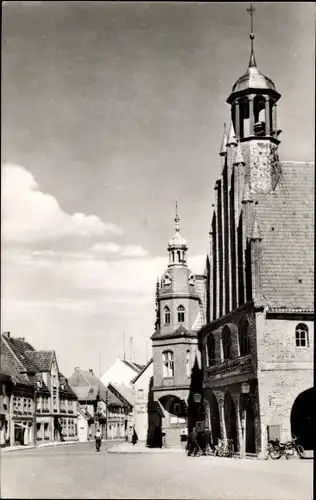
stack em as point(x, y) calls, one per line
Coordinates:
point(167, 364)
point(179, 255)
point(301, 335)
point(188, 363)
point(211, 349)
point(243, 335)
point(167, 315)
point(181, 314)
point(227, 343)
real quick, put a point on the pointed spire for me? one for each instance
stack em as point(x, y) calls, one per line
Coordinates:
point(239, 158)
point(177, 219)
point(256, 232)
point(223, 149)
point(252, 60)
point(246, 196)
point(231, 141)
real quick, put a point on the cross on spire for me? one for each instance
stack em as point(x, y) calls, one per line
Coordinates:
point(252, 61)
point(177, 219)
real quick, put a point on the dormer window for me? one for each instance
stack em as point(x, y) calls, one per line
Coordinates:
point(167, 280)
point(192, 280)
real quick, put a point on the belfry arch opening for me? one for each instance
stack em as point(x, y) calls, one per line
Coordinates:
point(303, 418)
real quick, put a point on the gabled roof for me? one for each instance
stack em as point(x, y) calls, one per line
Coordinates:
point(286, 221)
point(142, 371)
point(135, 366)
point(19, 347)
point(88, 387)
point(85, 413)
point(42, 359)
point(180, 332)
point(123, 393)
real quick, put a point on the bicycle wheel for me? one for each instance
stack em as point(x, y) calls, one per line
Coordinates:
point(274, 454)
point(300, 451)
point(230, 450)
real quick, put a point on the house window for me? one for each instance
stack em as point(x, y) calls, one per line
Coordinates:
point(301, 335)
point(211, 349)
point(243, 335)
point(168, 364)
point(29, 405)
point(227, 343)
point(181, 314)
point(167, 315)
point(140, 393)
point(188, 363)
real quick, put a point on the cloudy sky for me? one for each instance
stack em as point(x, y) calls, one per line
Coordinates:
point(111, 111)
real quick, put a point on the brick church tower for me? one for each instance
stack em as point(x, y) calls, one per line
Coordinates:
point(180, 298)
point(257, 345)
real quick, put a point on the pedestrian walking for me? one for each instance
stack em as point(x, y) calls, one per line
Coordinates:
point(134, 436)
point(193, 444)
point(98, 440)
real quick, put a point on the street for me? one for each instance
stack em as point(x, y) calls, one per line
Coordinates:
point(77, 471)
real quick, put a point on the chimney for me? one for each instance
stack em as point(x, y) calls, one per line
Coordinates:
point(6, 334)
point(91, 371)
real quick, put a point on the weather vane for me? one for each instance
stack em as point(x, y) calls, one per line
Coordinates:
point(251, 11)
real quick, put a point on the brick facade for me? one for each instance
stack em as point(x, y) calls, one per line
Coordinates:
point(259, 334)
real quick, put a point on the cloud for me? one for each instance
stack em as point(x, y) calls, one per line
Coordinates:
point(30, 215)
point(110, 248)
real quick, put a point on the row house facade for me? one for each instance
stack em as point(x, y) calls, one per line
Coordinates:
point(99, 406)
point(43, 408)
point(257, 344)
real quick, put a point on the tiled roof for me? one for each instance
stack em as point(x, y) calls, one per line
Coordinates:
point(123, 391)
point(286, 222)
point(20, 347)
point(10, 365)
point(88, 387)
point(181, 331)
point(42, 359)
point(67, 391)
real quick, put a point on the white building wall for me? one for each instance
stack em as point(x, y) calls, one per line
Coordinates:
point(118, 373)
point(141, 389)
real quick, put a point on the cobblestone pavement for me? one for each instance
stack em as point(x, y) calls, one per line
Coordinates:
point(77, 471)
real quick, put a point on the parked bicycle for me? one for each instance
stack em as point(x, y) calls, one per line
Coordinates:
point(224, 448)
point(276, 449)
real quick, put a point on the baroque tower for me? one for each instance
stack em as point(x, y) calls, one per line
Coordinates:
point(180, 306)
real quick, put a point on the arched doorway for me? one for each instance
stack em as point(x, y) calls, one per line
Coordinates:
point(250, 430)
point(230, 419)
point(215, 423)
point(303, 419)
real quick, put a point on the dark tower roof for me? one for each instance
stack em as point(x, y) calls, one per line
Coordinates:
point(253, 81)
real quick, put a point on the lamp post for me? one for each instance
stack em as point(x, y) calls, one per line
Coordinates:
point(245, 388)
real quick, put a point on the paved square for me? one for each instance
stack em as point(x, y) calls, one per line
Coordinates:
point(77, 471)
